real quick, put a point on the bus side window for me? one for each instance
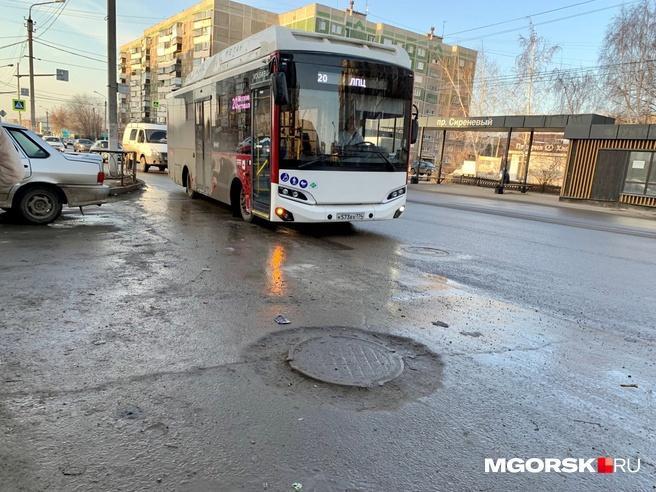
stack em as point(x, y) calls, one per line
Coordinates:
point(133, 134)
point(141, 139)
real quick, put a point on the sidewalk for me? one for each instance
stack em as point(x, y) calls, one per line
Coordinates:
point(533, 198)
point(115, 187)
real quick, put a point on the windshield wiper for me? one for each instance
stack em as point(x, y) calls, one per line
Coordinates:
point(374, 151)
point(321, 158)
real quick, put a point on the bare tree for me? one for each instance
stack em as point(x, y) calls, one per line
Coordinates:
point(491, 93)
point(60, 118)
point(485, 94)
point(549, 171)
point(460, 80)
point(531, 70)
point(627, 57)
point(576, 92)
point(86, 116)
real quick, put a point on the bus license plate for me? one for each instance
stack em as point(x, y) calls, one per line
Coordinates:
point(351, 216)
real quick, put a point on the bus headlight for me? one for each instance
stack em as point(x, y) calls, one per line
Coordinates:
point(287, 192)
point(396, 193)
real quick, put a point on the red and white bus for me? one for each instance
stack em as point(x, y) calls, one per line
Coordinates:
point(296, 127)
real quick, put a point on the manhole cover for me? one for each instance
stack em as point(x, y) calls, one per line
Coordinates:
point(425, 251)
point(346, 361)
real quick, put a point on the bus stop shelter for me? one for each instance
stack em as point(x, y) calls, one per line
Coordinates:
point(510, 125)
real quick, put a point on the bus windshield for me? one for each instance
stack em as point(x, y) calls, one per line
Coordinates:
point(352, 117)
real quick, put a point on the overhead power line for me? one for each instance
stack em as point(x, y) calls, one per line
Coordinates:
point(60, 45)
point(67, 63)
point(88, 14)
point(69, 52)
point(550, 21)
point(523, 17)
point(47, 27)
point(12, 44)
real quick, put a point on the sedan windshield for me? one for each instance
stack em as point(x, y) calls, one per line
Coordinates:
point(352, 118)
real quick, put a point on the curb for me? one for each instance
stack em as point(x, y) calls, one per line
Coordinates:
point(617, 210)
point(121, 190)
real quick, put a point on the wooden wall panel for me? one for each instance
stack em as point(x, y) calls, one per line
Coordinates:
point(581, 167)
point(643, 201)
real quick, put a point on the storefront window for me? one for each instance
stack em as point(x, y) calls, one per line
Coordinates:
point(641, 174)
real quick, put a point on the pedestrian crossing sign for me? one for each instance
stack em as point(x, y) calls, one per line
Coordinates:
point(18, 104)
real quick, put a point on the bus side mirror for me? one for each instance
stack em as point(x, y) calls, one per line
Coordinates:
point(280, 93)
point(414, 131)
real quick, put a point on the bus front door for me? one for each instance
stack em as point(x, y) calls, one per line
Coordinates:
point(203, 164)
point(261, 149)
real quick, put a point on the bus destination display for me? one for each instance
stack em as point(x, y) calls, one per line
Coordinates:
point(334, 78)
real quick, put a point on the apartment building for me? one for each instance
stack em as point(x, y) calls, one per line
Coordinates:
point(156, 63)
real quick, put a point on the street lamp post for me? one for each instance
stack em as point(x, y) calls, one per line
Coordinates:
point(105, 118)
point(30, 32)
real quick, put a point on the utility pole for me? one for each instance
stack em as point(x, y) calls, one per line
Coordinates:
point(18, 95)
point(30, 32)
point(47, 123)
point(112, 86)
point(105, 123)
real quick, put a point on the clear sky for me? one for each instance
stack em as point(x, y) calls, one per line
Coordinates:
point(81, 29)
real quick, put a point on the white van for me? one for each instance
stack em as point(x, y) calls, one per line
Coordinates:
point(148, 140)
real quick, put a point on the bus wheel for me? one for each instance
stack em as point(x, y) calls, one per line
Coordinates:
point(246, 214)
point(190, 193)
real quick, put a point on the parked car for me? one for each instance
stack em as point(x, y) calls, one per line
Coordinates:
point(82, 145)
point(98, 147)
point(69, 143)
point(148, 140)
point(55, 142)
point(421, 169)
point(51, 179)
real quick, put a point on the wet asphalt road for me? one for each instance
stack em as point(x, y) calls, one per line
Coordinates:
point(138, 349)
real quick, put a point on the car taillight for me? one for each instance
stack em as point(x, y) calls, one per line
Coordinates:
point(101, 177)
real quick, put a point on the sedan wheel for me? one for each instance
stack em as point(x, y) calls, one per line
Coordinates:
point(40, 206)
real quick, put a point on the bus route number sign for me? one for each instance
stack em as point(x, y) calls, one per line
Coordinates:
point(332, 78)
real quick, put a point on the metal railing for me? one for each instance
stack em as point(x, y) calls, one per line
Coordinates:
point(119, 164)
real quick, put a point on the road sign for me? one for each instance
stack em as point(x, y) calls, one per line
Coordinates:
point(25, 92)
point(123, 89)
point(65, 133)
point(62, 75)
point(18, 104)
point(156, 104)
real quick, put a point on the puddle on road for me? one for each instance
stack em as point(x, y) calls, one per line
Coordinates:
point(421, 375)
point(414, 285)
point(99, 222)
